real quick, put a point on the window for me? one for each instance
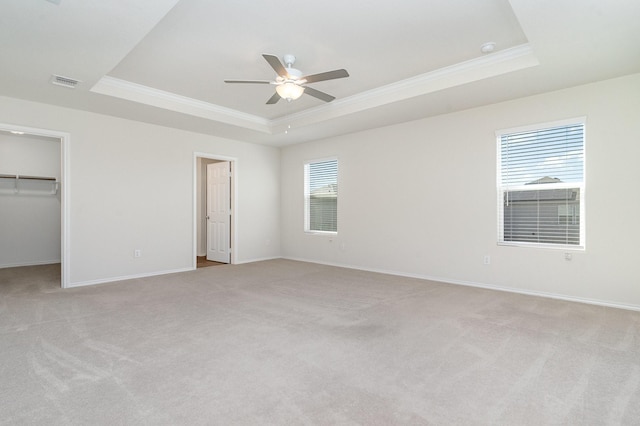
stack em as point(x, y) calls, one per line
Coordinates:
point(541, 186)
point(321, 196)
point(568, 214)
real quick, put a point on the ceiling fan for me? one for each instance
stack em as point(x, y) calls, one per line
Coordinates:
point(290, 83)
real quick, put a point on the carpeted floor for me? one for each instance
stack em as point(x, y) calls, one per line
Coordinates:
point(283, 342)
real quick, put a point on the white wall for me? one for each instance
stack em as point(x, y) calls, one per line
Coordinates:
point(30, 219)
point(419, 198)
point(131, 187)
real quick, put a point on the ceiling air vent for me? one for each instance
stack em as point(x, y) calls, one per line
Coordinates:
point(59, 80)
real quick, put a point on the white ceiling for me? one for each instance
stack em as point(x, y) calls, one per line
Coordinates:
point(164, 61)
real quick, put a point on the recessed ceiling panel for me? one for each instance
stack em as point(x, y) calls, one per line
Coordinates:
point(201, 43)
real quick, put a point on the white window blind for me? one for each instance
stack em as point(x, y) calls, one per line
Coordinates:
point(321, 196)
point(541, 184)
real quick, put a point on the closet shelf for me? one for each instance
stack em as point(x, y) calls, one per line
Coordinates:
point(36, 180)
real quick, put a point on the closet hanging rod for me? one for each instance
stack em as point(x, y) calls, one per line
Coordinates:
point(27, 177)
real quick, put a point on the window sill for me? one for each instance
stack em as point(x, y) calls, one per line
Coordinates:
point(322, 233)
point(563, 247)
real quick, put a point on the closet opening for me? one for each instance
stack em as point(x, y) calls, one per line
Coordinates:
point(33, 218)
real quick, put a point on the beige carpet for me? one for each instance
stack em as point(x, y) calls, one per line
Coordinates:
point(283, 342)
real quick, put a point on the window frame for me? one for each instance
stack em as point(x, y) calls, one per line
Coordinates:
point(581, 186)
point(307, 195)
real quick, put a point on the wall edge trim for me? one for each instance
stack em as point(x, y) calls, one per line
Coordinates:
point(127, 277)
point(556, 296)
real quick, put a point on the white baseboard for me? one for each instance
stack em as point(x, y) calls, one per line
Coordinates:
point(127, 277)
point(40, 262)
point(152, 274)
point(261, 259)
point(567, 298)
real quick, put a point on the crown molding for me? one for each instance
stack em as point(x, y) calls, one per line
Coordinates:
point(170, 101)
point(491, 65)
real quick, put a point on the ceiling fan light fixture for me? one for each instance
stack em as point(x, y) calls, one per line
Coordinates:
point(289, 91)
point(290, 82)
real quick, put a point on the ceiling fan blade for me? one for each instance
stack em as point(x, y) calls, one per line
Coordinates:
point(318, 94)
point(276, 65)
point(248, 81)
point(272, 100)
point(329, 75)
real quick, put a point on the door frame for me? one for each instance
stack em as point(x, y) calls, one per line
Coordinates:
point(65, 141)
point(233, 238)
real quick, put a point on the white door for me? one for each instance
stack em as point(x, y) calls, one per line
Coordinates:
point(218, 211)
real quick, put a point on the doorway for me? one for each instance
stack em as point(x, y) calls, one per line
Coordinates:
point(34, 187)
point(214, 210)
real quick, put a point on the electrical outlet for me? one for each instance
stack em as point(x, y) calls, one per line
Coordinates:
point(487, 259)
point(137, 253)
point(568, 256)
